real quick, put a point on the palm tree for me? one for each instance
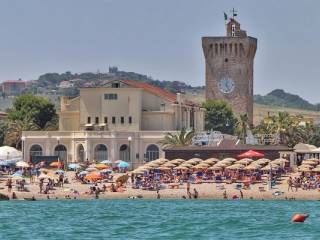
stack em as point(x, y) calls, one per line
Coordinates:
point(243, 126)
point(182, 138)
point(15, 129)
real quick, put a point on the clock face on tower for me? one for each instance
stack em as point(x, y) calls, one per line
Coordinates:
point(226, 85)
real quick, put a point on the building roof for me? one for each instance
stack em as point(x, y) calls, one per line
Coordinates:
point(152, 89)
point(238, 147)
point(13, 81)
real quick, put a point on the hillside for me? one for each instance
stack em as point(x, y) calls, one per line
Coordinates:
point(280, 98)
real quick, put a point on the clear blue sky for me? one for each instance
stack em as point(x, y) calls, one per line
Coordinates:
point(159, 38)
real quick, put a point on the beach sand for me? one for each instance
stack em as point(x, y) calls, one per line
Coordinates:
point(205, 190)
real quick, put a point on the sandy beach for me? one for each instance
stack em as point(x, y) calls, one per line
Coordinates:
point(205, 190)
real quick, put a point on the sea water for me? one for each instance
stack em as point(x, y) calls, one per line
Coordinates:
point(157, 219)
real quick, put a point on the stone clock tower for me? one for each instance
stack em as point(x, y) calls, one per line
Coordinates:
point(229, 68)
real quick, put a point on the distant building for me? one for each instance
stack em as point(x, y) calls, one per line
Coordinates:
point(65, 84)
point(123, 120)
point(13, 87)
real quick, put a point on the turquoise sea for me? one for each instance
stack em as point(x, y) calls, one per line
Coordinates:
point(157, 219)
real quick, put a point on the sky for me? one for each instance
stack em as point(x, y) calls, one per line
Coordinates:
point(161, 39)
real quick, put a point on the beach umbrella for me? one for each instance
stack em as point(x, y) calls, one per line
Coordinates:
point(101, 166)
point(220, 164)
point(316, 170)
point(170, 165)
point(203, 165)
point(118, 161)
point(181, 168)
point(312, 159)
point(227, 163)
point(280, 161)
point(22, 164)
point(304, 169)
point(123, 165)
point(91, 169)
point(232, 160)
point(199, 166)
point(252, 167)
point(176, 162)
point(245, 161)
point(164, 168)
point(106, 162)
point(152, 164)
point(274, 167)
point(43, 176)
point(215, 168)
point(94, 176)
point(186, 165)
point(74, 166)
point(309, 162)
point(138, 171)
point(211, 160)
point(147, 167)
point(262, 161)
point(160, 160)
point(236, 166)
point(84, 173)
point(56, 164)
point(250, 154)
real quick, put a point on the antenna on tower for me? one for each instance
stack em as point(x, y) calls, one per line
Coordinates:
point(234, 13)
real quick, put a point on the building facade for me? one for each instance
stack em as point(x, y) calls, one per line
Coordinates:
point(124, 120)
point(13, 87)
point(229, 68)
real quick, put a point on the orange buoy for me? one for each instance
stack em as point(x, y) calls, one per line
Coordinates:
point(300, 217)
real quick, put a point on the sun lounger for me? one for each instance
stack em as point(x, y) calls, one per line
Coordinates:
point(261, 189)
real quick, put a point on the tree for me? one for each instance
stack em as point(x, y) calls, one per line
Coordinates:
point(242, 127)
point(182, 138)
point(3, 132)
point(38, 110)
point(15, 129)
point(219, 116)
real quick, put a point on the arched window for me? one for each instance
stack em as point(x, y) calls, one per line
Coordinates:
point(124, 153)
point(100, 152)
point(62, 152)
point(152, 153)
point(36, 150)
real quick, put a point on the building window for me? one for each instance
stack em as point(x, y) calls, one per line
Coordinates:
point(130, 120)
point(110, 96)
point(122, 120)
point(97, 120)
point(105, 120)
point(115, 85)
point(89, 120)
point(113, 120)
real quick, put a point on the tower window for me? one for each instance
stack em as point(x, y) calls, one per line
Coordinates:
point(113, 120)
point(115, 85)
point(130, 120)
point(89, 120)
point(105, 120)
point(122, 120)
point(226, 59)
point(97, 120)
point(110, 96)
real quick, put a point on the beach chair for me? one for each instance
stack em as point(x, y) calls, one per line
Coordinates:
point(261, 189)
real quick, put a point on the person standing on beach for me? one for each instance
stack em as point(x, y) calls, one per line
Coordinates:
point(225, 194)
point(188, 188)
point(241, 194)
point(196, 194)
point(9, 184)
point(290, 184)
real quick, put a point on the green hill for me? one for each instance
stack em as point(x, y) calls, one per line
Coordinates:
point(280, 98)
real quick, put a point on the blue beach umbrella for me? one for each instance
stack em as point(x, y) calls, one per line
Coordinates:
point(74, 166)
point(123, 165)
